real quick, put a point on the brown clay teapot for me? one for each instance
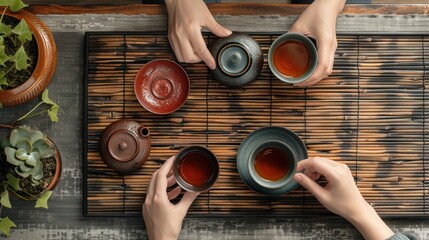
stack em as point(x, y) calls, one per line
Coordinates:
point(125, 145)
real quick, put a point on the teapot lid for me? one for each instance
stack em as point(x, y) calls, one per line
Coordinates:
point(122, 146)
point(239, 59)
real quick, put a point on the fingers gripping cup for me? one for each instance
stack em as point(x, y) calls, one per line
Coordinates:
point(292, 57)
point(196, 169)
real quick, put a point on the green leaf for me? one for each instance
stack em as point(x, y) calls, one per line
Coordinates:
point(43, 148)
point(38, 169)
point(5, 199)
point(21, 173)
point(37, 177)
point(23, 31)
point(5, 225)
point(33, 159)
point(24, 144)
point(21, 154)
point(53, 113)
point(13, 182)
point(3, 57)
point(20, 58)
point(25, 168)
point(46, 99)
point(19, 134)
point(36, 135)
point(5, 30)
point(11, 157)
point(42, 202)
point(3, 81)
point(4, 3)
point(16, 5)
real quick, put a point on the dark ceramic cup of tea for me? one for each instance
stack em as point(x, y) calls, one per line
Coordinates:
point(292, 57)
point(267, 160)
point(196, 169)
point(272, 164)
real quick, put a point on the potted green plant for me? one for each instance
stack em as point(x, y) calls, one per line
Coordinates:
point(30, 163)
point(27, 54)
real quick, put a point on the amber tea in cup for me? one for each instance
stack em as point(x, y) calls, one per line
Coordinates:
point(196, 169)
point(272, 164)
point(292, 57)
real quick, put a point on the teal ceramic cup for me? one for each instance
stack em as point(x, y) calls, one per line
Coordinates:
point(267, 160)
point(292, 57)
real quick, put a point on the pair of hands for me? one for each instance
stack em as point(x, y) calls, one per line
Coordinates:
point(186, 18)
point(340, 196)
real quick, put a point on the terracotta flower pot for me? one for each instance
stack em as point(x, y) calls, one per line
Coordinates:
point(52, 185)
point(46, 63)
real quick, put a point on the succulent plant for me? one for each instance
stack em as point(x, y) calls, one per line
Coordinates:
point(24, 148)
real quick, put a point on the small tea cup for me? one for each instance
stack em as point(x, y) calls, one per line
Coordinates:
point(292, 57)
point(196, 169)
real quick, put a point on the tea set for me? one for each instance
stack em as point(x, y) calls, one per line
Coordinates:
point(266, 159)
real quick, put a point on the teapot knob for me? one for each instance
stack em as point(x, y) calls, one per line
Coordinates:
point(123, 146)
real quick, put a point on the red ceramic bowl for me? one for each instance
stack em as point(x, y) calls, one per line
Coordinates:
point(161, 86)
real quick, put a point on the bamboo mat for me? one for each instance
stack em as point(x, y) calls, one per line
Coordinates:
point(369, 114)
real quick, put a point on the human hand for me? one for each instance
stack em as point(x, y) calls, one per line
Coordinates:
point(185, 21)
point(162, 218)
point(318, 21)
point(341, 195)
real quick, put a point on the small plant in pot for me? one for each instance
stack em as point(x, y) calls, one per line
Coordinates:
point(30, 163)
point(27, 54)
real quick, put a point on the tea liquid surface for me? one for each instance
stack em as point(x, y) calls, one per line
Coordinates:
point(196, 169)
point(272, 164)
point(292, 58)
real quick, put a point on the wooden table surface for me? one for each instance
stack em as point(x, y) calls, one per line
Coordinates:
point(64, 219)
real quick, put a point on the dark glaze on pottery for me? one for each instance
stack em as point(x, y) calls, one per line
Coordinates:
point(239, 59)
point(161, 86)
point(125, 145)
